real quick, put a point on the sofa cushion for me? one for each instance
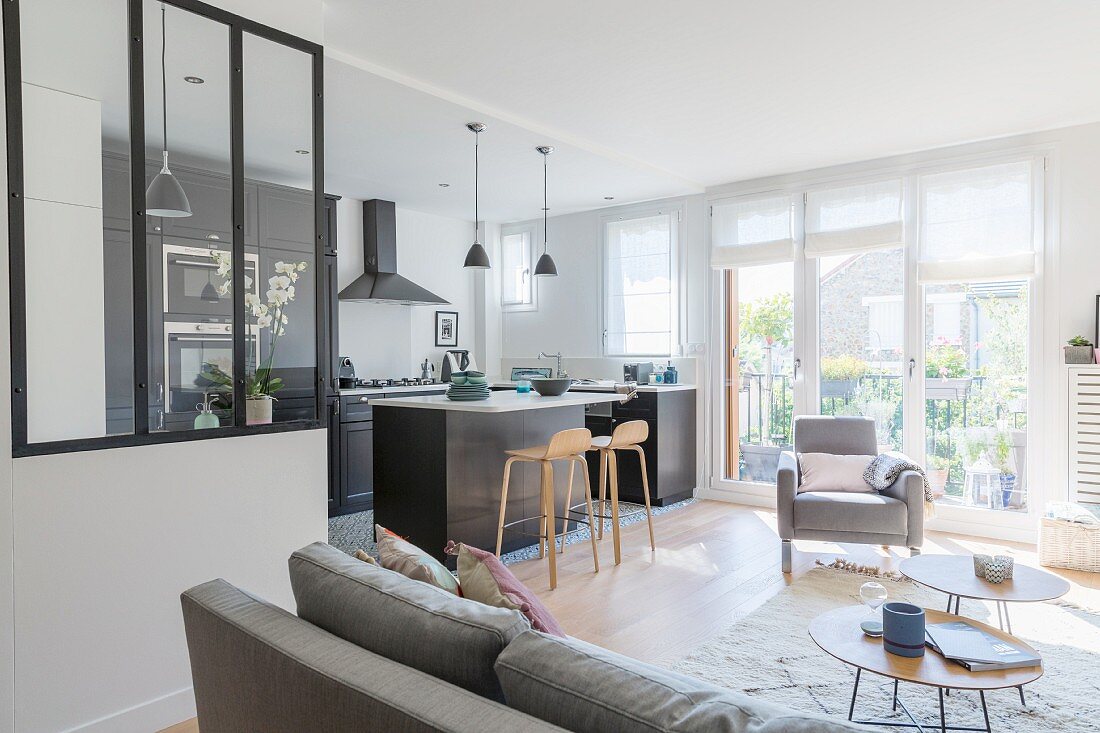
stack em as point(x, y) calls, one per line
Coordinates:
point(486, 579)
point(852, 512)
point(410, 622)
point(402, 556)
point(830, 472)
point(587, 689)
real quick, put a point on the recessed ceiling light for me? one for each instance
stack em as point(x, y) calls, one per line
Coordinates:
point(608, 198)
point(302, 152)
point(444, 185)
point(194, 80)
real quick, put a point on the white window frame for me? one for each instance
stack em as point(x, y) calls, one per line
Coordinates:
point(529, 230)
point(968, 520)
point(676, 215)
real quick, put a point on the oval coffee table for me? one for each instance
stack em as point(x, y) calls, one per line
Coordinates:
point(954, 575)
point(837, 632)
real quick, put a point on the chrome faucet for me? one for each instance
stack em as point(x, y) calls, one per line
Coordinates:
point(561, 372)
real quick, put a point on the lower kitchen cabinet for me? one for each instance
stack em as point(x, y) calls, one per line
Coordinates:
point(357, 457)
point(669, 451)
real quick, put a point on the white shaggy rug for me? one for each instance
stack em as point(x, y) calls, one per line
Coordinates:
point(769, 654)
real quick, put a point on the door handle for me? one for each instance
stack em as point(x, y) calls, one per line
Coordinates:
point(797, 366)
point(912, 367)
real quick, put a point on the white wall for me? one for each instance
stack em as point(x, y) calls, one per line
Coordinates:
point(392, 340)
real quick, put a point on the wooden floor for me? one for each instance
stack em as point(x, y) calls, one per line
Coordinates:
point(715, 562)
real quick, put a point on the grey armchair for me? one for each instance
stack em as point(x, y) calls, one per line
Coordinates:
point(892, 517)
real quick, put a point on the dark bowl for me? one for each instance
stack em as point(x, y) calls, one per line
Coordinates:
point(551, 386)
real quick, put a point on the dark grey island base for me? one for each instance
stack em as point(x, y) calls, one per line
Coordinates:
point(439, 465)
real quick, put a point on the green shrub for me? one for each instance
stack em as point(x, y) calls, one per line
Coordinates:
point(842, 368)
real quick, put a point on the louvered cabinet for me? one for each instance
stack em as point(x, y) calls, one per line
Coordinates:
point(1084, 433)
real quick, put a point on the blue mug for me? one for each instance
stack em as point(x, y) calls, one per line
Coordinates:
point(903, 629)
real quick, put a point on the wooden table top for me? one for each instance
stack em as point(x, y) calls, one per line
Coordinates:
point(837, 632)
point(954, 574)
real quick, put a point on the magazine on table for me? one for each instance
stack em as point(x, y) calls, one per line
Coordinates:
point(977, 650)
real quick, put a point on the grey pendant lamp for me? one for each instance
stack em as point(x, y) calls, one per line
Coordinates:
point(545, 267)
point(165, 196)
point(477, 258)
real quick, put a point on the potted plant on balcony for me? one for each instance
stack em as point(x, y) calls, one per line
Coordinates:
point(946, 374)
point(270, 314)
point(840, 375)
point(1002, 451)
point(1078, 351)
point(939, 468)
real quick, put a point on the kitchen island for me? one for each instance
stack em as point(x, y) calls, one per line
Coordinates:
point(439, 464)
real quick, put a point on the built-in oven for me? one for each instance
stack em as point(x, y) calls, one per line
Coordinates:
point(191, 350)
point(191, 281)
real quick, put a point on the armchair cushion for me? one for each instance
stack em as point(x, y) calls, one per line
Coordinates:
point(829, 472)
point(835, 511)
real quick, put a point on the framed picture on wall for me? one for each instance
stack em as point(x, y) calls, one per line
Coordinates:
point(446, 328)
point(1096, 337)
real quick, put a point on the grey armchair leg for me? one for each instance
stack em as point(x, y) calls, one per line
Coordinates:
point(914, 551)
point(787, 550)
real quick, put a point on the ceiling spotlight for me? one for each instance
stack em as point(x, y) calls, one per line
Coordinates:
point(444, 185)
point(194, 80)
point(608, 198)
point(302, 152)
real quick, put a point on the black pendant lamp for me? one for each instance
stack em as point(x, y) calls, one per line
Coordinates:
point(545, 267)
point(477, 258)
point(165, 196)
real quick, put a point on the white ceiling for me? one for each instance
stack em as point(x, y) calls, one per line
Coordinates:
point(648, 98)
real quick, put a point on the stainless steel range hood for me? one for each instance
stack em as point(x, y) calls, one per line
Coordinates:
point(380, 282)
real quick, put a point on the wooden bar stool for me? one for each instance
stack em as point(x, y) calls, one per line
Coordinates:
point(567, 445)
point(626, 436)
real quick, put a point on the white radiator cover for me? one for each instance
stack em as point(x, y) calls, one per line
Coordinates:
point(1084, 434)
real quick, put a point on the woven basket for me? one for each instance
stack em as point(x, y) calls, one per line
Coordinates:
point(1070, 545)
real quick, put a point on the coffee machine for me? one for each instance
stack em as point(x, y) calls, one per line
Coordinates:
point(637, 371)
point(454, 360)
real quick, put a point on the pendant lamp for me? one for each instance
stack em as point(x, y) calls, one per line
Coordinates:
point(165, 196)
point(545, 267)
point(477, 258)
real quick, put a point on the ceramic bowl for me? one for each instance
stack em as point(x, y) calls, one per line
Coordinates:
point(458, 377)
point(476, 378)
point(551, 386)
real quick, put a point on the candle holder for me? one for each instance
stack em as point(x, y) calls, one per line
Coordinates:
point(903, 629)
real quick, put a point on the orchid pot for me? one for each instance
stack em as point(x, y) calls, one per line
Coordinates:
point(258, 409)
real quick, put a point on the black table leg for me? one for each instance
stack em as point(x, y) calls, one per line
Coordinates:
point(985, 710)
point(943, 717)
point(855, 689)
point(895, 695)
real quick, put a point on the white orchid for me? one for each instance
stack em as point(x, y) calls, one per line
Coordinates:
point(270, 314)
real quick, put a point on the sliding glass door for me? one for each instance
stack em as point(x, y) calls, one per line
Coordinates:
point(921, 321)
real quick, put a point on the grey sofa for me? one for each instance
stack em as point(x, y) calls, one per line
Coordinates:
point(372, 650)
point(892, 517)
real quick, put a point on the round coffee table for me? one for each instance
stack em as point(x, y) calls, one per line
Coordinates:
point(837, 632)
point(954, 575)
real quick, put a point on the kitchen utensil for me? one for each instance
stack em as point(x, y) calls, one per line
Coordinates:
point(427, 369)
point(455, 360)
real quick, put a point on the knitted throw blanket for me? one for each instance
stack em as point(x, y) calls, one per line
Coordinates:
point(884, 470)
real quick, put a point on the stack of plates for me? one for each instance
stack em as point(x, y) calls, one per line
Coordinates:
point(468, 392)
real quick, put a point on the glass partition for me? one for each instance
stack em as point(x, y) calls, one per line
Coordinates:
point(278, 170)
point(76, 205)
point(189, 225)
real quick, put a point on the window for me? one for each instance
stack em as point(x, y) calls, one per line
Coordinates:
point(517, 286)
point(640, 313)
point(885, 322)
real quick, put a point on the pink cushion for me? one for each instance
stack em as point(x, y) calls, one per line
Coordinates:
point(828, 472)
point(492, 583)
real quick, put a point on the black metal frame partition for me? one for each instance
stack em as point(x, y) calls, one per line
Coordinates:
point(238, 26)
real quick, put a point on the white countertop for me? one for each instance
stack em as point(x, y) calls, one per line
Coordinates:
point(609, 388)
point(500, 402)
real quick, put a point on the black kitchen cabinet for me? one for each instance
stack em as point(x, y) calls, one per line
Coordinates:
point(332, 413)
point(357, 456)
point(286, 218)
point(670, 450)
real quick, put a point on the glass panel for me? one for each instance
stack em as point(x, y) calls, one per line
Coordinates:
point(190, 254)
point(78, 244)
point(976, 354)
point(515, 277)
point(861, 328)
point(638, 288)
point(761, 313)
point(278, 169)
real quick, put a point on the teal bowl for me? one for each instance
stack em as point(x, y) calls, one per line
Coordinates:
point(458, 377)
point(471, 379)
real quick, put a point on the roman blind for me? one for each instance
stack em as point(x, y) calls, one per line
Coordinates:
point(854, 218)
point(751, 232)
point(978, 224)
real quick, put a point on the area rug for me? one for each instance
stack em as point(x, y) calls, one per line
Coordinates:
point(352, 532)
point(768, 654)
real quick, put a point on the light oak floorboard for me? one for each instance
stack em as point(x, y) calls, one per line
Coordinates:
point(715, 563)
